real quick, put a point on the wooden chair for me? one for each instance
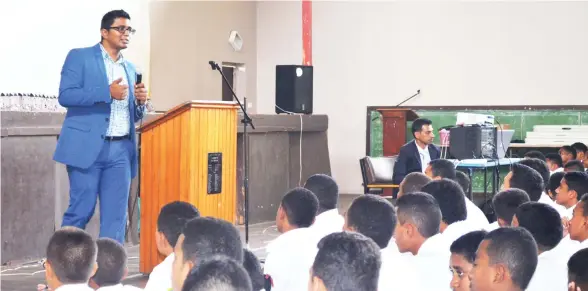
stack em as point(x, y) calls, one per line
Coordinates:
point(376, 173)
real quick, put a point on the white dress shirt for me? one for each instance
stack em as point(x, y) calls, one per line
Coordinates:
point(552, 270)
point(121, 287)
point(492, 226)
point(570, 212)
point(583, 245)
point(397, 271)
point(545, 199)
point(424, 154)
point(289, 259)
point(326, 223)
point(475, 215)
point(560, 169)
point(433, 260)
point(457, 229)
point(74, 287)
point(161, 276)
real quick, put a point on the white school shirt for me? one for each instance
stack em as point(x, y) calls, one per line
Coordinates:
point(160, 278)
point(545, 199)
point(425, 156)
point(289, 259)
point(560, 169)
point(458, 229)
point(326, 223)
point(120, 287)
point(432, 259)
point(492, 226)
point(74, 287)
point(552, 269)
point(570, 212)
point(475, 215)
point(397, 271)
point(583, 245)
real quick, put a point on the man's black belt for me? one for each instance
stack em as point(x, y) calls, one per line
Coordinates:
point(115, 138)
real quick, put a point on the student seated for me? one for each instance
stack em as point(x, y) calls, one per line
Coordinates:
point(553, 185)
point(112, 267)
point(417, 233)
point(505, 204)
point(463, 255)
point(554, 163)
point(567, 154)
point(578, 226)
point(541, 167)
point(71, 260)
point(573, 185)
point(581, 152)
point(574, 166)
point(525, 178)
point(254, 270)
point(375, 217)
point(505, 261)
point(413, 182)
point(578, 271)
point(450, 198)
point(328, 219)
point(345, 261)
point(535, 155)
point(290, 255)
point(445, 169)
point(172, 218)
point(203, 238)
point(475, 214)
point(218, 273)
point(544, 224)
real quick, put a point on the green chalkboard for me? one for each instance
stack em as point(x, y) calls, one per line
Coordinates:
point(521, 121)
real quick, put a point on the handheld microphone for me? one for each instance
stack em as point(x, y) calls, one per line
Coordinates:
point(139, 74)
point(213, 65)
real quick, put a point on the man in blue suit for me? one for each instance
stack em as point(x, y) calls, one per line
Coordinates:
point(416, 154)
point(97, 141)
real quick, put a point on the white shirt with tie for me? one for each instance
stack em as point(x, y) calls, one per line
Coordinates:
point(425, 156)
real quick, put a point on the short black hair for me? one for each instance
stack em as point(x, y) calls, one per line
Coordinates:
point(218, 273)
point(301, 207)
point(422, 209)
point(515, 248)
point(555, 181)
point(539, 166)
point(374, 217)
point(578, 268)
point(527, 179)
point(172, 218)
point(467, 244)
point(109, 18)
point(112, 262)
point(205, 237)
point(347, 261)
point(253, 267)
point(584, 200)
point(569, 149)
point(577, 181)
point(579, 147)
point(326, 190)
point(554, 158)
point(413, 182)
point(463, 180)
point(543, 222)
point(417, 124)
point(574, 165)
point(451, 199)
point(535, 154)
point(71, 252)
point(443, 168)
point(507, 202)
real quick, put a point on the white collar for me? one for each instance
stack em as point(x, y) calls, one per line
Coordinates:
point(105, 55)
point(74, 287)
point(421, 149)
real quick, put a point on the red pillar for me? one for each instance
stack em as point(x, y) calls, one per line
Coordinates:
point(307, 32)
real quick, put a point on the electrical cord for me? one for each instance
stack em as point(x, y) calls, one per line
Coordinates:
point(300, 143)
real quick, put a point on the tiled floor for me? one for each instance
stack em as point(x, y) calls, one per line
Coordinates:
point(26, 276)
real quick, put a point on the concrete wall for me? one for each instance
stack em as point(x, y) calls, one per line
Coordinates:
point(185, 35)
point(456, 53)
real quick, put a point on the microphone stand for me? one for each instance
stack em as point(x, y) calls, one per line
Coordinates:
point(245, 121)
point(405, 100)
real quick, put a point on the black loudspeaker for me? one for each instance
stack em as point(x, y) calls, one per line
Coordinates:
point(294, 89)
point(472, 142)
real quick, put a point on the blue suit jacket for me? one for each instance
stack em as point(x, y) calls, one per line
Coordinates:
point(85, 92)
point(409, 160)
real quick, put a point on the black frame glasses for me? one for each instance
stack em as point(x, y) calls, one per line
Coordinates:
point(123, 29)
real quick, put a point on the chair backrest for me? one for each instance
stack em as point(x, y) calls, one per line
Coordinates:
point(379, 170)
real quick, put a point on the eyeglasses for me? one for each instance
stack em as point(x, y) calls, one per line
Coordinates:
point(123, 29)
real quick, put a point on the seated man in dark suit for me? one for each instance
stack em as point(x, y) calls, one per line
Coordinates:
point(416, 154)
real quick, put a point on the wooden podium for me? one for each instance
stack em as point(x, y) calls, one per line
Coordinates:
point(188, 154)
point(394, 129)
